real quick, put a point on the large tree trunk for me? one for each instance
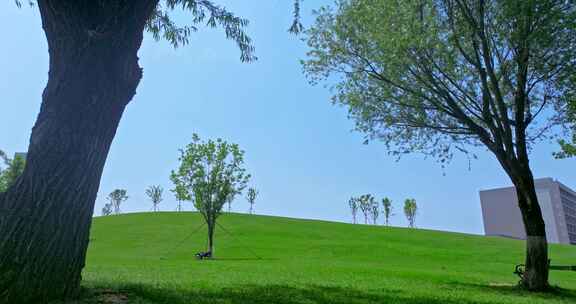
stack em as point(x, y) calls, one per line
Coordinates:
point(536, 270)
point(45, 217)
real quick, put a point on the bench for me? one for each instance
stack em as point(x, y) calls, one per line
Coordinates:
point(520, 268)
point(203, 255)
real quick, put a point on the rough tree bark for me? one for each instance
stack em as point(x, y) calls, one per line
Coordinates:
point(45, 217)
point(536, 261)
point(536, 270)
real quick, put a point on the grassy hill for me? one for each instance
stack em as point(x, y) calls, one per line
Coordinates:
point(148, 258)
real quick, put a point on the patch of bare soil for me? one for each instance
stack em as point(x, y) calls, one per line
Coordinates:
point(111, 297)
point(501, 285)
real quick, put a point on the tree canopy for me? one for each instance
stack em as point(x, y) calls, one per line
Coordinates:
point(568, 146)
point(434, 76)
point(163, 26)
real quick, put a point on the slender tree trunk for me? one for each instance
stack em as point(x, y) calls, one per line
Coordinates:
point(536, 270)
point(211, 229)
point(46, 215)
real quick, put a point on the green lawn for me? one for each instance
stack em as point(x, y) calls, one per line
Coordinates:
point(146, 258)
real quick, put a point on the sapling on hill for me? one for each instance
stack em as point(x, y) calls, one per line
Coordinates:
point(251, 196)
point(154, 193)
point(353, 203)
point(116, 198)
point(365, 202)
point(387, 210)
point(410, 210)
point(211, 172)
point(375, 212)
point(179, 195)
point(107, 209)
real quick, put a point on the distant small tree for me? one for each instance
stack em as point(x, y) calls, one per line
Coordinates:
point(154, 193)
point(230, 199)
point(251, 197)
point(353, 203)
point(375, 212)
point(3, 159)
point(366, 202)
point(410, 210)
point(210, 173)
point(116, 198)
point(229, 202)
point(14, 168)
point(107, 209)
point(4, 163)
point(3, 156)
point(179, 197)
point(387, 209)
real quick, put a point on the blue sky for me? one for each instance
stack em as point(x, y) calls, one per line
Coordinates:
point(304, 158)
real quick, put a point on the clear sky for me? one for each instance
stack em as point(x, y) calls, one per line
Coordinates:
point(304, 158)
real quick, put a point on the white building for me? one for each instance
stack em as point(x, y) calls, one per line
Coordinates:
point(502, 215)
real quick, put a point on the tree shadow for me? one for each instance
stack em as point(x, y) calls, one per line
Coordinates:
point(241, 259)
point(555, 293)
point(276, 294)
point(280, 294)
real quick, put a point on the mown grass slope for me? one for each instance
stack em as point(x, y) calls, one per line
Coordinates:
point(149, 258)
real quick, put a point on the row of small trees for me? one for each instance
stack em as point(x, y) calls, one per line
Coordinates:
point(154, 193)
point(118, 196)
point(370, 208)
point(115, 199)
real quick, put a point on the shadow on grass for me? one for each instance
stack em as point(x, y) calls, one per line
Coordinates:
point(556, 293)
point(227, 259)
point(279, 294)
point(240, 259)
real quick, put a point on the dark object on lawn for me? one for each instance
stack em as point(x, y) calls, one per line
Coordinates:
point(519, 269)
point(204, 255)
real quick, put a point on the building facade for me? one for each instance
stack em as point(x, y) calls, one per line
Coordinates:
point(502, 216)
